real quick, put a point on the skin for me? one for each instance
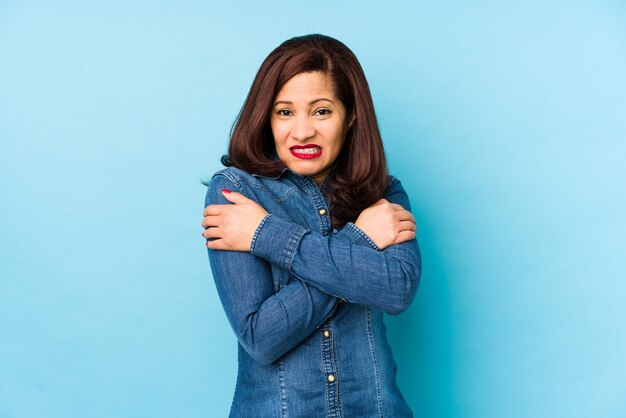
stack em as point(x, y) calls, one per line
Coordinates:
point(306, 111)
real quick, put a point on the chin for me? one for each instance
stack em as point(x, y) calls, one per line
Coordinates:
point(305, 170)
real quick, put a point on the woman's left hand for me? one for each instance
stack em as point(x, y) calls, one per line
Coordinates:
point(232, 226)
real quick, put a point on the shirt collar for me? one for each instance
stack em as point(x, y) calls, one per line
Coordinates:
point(282, 171)
point(285, 169)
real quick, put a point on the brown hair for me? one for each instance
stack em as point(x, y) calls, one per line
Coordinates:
point(359, 175)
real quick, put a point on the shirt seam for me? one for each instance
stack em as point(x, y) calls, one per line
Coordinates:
point(294, 241)
point(372, 344)
point(257, 231)
point(363, 235)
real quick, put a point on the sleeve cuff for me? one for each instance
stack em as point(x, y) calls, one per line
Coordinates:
point(356, 234)
point(277, 240)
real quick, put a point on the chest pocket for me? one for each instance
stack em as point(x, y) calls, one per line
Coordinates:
point(277, 192)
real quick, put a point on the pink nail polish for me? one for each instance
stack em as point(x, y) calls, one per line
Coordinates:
point(226, 191)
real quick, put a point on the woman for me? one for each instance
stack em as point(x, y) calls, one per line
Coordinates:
point(310, 241)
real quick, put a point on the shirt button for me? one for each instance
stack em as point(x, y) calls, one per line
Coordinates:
point(331, 378)
point(326, 333)
point(322, 211)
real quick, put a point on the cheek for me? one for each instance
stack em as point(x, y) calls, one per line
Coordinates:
point(276, 135)
point(279, 131)
point(338, 136)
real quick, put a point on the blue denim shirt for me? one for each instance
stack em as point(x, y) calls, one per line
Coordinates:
point(306, 304)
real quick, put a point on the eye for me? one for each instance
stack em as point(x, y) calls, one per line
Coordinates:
point(323, 112)
point(283, 112)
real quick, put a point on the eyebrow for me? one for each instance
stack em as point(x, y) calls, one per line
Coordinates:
point(310, 103)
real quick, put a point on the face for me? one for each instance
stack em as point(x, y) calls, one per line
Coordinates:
point(309, 125)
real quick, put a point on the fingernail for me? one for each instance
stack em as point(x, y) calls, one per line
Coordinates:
point(207, 243)
point(226, 191)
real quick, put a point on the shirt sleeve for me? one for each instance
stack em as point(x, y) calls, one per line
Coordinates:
point(267, 323)
point(385, 280)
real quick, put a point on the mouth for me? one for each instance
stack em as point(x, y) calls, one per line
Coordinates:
point(306, 152)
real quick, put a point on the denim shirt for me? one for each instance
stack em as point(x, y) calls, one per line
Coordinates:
point(307, 302)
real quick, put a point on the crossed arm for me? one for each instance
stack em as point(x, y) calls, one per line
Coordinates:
point(232, 227)
point(374, 262)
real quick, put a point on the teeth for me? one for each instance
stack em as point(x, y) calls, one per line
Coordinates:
point(312, 150)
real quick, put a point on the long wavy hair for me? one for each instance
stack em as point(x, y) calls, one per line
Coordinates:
point(359, 175)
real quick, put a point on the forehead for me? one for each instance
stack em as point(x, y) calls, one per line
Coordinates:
point(304, 86)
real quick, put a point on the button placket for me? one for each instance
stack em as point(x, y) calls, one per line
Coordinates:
point(319, 203)
point(325, 220)
point(330, 370)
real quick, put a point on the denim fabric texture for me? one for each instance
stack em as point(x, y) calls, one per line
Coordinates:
point(307, 303)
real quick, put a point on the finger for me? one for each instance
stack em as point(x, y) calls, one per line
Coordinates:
point(407, 226)
point(405, 215)
point(405, 236)
point(234, 197)
point(212, 210)
point(380, 202)
point(397, 207)
point(212, 233)
point(209, 221)
point(217, 244)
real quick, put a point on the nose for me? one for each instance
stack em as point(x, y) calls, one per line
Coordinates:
point(303, 128)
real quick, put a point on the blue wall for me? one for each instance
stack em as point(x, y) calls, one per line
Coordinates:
point(506, 122)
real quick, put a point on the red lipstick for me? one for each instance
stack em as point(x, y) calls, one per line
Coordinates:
point(306, 152)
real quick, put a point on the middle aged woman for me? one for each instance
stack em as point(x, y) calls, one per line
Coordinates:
point(310, 241)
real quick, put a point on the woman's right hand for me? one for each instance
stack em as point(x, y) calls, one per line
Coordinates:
point(387, 223)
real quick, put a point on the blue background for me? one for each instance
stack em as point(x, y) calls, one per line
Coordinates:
point(505, 121)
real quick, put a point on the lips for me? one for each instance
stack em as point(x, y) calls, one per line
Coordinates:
point(306, 152)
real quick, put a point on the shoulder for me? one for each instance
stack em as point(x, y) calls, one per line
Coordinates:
point(233, 174)
point(395, 193)
point(258, 188)
point(393, 185)
point(236, 177)
point(227, 178)
point(393, 180)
